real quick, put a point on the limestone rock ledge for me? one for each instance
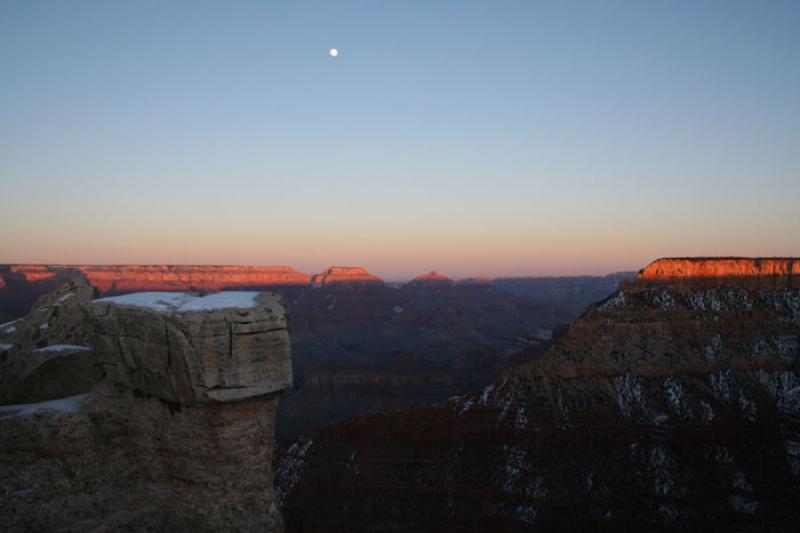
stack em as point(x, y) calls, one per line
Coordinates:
point(178, 436)
point(186, 349)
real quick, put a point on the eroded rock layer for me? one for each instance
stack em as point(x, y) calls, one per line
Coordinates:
point(670, 404)
point(784, 269)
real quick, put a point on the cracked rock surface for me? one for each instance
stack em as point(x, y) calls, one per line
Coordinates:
point(177, 437)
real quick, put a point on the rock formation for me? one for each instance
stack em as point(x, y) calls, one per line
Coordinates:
point(50, 351)
point(671, 404)
point(766, 269)
point(177, 437)
point(135, 278)
point(431, 277)
point(338, 275)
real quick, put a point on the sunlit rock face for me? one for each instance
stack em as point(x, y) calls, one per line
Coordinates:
point(33, 273)
point(779, 270)
point(177, 437)
point(22, 284)
point(340, 275)
point(132, 278)
point(673, 403)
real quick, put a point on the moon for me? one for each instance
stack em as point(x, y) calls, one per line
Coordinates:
point(333, 52)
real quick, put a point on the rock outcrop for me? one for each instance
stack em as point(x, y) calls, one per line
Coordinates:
point(671, 404)
point(341, 275)
point(50, 351)
point(177, 437)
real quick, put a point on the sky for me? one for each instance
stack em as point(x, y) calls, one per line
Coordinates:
point(476, 138)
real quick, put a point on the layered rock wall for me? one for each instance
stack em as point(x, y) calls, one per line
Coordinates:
point(780, 269)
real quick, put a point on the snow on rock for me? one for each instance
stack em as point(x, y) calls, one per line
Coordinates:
point(185, 303)
point(63, 299)
point(614, 302)
point(521, 420)
point(673, 391)
point(629, 394)
point(63, 348)
point(485, 394)
point(6, 324)
point(5, 347)
point(64, 405)
point(290, 467)
point(784, 387)
point(221, 300)
point(721, 384)
point(712, 350)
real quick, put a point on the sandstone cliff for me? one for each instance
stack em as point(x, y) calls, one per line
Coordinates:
point(781, 270)
point(673, 403)
point(178, 436)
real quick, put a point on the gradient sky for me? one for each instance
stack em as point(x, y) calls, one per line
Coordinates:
point(499, 138)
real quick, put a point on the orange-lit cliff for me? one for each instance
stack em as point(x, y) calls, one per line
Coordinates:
point(132, 278)
point(345, 275)
point(720, 267)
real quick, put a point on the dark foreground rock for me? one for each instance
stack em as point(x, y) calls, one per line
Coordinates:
point(178, 437)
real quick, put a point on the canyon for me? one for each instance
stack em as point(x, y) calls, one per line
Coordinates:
point(355, 337)
point(672, 403)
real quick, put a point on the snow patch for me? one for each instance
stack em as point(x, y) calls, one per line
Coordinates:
point(70, 404)
point(614, 302)
point(290, 467)
point(185, 303)
point(629, 394)
point(673, 392)
point(521, 421)
point(62, 348)
point(5, 347)
point(486, 392)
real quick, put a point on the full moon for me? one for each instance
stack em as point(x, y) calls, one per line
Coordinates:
point(333, 52)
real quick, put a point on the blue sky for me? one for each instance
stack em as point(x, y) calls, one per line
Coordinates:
point(473, 137)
